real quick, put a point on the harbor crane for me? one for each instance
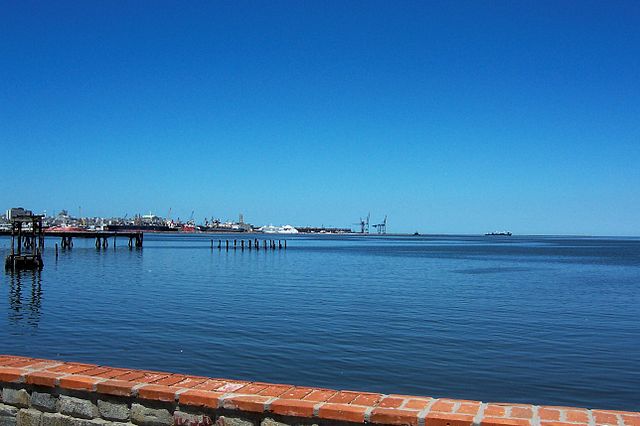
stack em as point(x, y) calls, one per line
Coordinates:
point(382, 227)
point(364, 224)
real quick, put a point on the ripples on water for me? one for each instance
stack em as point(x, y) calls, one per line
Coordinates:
point(543, 320)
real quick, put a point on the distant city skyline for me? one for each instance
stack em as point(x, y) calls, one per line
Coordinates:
point(449, 117)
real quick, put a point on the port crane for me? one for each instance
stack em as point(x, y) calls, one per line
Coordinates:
point(382, 227)
point(364, 224)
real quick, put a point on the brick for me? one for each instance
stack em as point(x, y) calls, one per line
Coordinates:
point(115, 387)
point(631, 419)
point(548, 414)
point(417, 404)
point(77, 407)
point(44, 401)
point(275, 390)
point(191, 382)
point(130, 376)
point(17, 397)
point(577, 416)
point(443, 406)
point(42, 365)
point(319, 395)
point(43, 378)
point(296, 393)
point(604, 417)
point(494, 410)
point(79, 382)
point(391, 403)
point(19, 363)
point(107, 373)
point(157, 393)
point(200, 398)
point(368, 399)
point(521, 412)
point(293, 407)
point(228, 387)
point(252, 389)
point(210, 385)
point(470, 408)
point(253, 403)
point(11, 375)
point(71, 368)
point(499, 421)
point(393, 416)
point(448, 419)
point(342, 412)
point(170, 380)
point(343, 397)
point(97, 371)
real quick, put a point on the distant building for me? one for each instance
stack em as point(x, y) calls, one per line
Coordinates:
point(18, 211)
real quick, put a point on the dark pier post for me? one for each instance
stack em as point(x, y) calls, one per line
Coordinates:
point(105, 242)
point(265, 244)
point(219, 244)
point(235, 243)
point(279, 245)
point(285, 244)
point(227, 245)
point(242, 245)
point(98, 242)
point(211, 244)
point(27, 238)
point(56, 250)
point(250, 244)
point(130, 242)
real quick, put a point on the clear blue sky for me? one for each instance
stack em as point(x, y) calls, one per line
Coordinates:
point(460, 117)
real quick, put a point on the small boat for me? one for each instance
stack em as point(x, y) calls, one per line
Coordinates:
point(499, 233)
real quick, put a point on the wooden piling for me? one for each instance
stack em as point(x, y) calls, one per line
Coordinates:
point(56, 250)
point(285, 244)
point(242, 245)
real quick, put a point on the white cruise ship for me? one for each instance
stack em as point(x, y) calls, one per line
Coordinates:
point(286, 229)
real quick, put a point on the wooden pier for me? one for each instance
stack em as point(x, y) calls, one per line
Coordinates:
point(253, 244)
point(134, 239)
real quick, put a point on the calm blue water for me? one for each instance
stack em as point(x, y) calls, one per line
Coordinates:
point(523, 319)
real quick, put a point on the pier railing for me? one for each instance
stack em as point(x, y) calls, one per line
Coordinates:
point(43, 392)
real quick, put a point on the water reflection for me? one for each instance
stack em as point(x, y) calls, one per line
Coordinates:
point(25, 296)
